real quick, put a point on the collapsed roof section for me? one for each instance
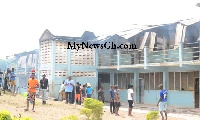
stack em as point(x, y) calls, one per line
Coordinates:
point(164, 35)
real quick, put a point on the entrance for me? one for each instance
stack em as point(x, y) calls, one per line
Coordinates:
point(141, 90)
point(104, 79)
point(196, 92)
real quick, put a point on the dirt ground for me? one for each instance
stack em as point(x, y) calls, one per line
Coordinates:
point(55, 110)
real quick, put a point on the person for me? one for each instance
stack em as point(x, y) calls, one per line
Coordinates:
point(69, 86)
point(32, 85)
point(89, 90)
point(130, 99)
point(0, 83)
point(12, 81)
point(84, 94)
point(111, 93)
point(78, 93)
point(162, 103)
point(116, 100)
point(62, 90)
point(44, 87)
point(6, 81)
point(101, 94)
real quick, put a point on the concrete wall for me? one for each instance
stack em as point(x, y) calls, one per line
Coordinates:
point(175, 98)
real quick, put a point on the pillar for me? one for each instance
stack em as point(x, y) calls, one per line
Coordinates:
point(53, 62)
point(136, 86)
point(166, 80)
point(180, 50)
point(112, 82)
point(145, 57)
point(118, 59)
point(69, 73)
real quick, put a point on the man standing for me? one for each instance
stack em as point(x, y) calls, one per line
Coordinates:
point(32, 85)
point(44, 85)
point(116, 100)
point(101, 94)
point(130, 99)
point(12, 81)
point(89, 90)
point(162, 101)
point(78, 93)
point(111, 93)
point(69, 86)
point(0, 81)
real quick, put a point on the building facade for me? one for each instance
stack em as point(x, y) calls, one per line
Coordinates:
point(165, 54)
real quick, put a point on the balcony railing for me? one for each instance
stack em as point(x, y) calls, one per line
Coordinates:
point(174, 55)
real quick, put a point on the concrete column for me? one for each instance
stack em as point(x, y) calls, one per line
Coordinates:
point(38, 60)
point(112, 79)
point(145, 57)
point(136, 86)
point(53, 65)
point(166, 80)
point(118, 59)
point(69, 72)
point(180, 54)
point(26, 66)
point(96, 59)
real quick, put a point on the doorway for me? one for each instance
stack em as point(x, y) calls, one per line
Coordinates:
point(196, 92)
point(141, 90)
point(104, 79)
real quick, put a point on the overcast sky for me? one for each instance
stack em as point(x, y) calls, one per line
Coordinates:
point(22, 22)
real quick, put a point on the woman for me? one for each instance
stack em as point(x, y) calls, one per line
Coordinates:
point(101, 94)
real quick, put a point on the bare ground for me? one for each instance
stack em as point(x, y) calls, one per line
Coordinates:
point(55, 110)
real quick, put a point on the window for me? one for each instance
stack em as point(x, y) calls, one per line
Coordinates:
point(123, 79)
point(181, 81)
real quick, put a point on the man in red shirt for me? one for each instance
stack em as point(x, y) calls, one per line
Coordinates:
point(32, 85)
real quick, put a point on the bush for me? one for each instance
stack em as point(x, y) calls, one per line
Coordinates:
point(96, 106)
point(152, 115)
point(87, 112)
point(71, 117)
point(5, 115)
point(22, 118)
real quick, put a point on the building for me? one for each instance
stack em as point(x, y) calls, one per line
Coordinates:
point(23, 63)
point(166, 54)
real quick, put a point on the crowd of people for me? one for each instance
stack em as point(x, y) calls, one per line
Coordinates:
point(72, 92)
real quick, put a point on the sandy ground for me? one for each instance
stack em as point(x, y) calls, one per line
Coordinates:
point(55, 110)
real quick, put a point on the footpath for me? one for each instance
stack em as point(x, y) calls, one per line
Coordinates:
point(177, 112)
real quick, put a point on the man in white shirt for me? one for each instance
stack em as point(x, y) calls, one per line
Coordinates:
point(130, 99)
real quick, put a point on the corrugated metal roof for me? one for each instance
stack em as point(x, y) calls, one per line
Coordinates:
point(135, 29)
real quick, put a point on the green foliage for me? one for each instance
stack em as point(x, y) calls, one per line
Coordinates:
point(5, 115)
point(96, 106)
point(22, 118)
point(87, 112)
point(152, 115)
point(71, 117)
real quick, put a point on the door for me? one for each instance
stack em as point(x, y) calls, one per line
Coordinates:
point(196, 92)
point(141, 90)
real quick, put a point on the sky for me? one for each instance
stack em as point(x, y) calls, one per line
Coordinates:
point(22, 22)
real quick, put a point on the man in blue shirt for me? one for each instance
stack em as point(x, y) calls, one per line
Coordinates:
point(111, 93)
point(69, 86)
point(12, 81)
point(89, 90)
point(162, 101)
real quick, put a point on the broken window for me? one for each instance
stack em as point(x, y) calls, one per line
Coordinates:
point(181, 81)
point(122, 80)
